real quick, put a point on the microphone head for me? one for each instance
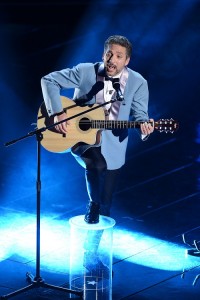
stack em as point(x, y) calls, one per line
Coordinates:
point(116, 84)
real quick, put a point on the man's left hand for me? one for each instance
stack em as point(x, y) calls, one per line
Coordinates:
point(147, 127)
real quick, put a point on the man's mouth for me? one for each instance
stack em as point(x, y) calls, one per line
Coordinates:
point(110, 68)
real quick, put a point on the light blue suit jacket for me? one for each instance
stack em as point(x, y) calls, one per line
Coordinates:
point(82, 77)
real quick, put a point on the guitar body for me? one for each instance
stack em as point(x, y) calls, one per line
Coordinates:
point(60, 143)
point(85, 126)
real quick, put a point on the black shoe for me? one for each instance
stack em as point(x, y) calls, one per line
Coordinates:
point(92, 214)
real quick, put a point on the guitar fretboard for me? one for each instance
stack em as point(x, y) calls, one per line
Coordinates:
point(114, 124)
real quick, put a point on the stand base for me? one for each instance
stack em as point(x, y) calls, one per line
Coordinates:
point(37, 283)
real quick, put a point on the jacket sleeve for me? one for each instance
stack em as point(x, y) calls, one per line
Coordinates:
point(139, 107)
point(53, 83)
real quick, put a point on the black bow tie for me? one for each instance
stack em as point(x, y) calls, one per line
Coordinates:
point(111, 79)
point(108, 78)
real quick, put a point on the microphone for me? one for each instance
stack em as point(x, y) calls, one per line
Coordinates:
point(116, 86)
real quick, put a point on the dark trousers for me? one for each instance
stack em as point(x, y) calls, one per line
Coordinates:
point(100, 182)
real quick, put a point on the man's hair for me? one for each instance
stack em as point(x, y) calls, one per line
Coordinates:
point(119, 40)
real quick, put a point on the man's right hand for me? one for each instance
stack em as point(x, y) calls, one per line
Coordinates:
point(62, 127)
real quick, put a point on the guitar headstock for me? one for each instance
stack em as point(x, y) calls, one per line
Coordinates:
point(166, 125)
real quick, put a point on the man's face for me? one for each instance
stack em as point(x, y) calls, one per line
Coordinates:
point(115, 59)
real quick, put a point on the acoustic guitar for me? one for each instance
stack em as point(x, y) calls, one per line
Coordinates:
point(86, 126)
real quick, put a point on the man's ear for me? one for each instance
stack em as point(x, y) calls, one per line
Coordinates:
point(127, 61)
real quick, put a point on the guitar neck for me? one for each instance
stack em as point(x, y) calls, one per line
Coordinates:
point(114, 124)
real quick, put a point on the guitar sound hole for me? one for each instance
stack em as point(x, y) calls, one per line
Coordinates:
point(85, 124)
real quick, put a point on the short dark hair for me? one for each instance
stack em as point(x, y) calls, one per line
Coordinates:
point(119, 40)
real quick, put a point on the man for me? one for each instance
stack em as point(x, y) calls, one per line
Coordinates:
point(103, 161)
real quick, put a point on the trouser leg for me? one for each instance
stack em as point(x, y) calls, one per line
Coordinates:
point(95, 168)
point(101, 186)
point(108, 188)
point(100, 182)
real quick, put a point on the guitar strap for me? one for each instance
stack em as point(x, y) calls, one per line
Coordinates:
point(96, 68)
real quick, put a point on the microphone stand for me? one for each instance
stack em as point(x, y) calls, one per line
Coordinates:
point(37, 281)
